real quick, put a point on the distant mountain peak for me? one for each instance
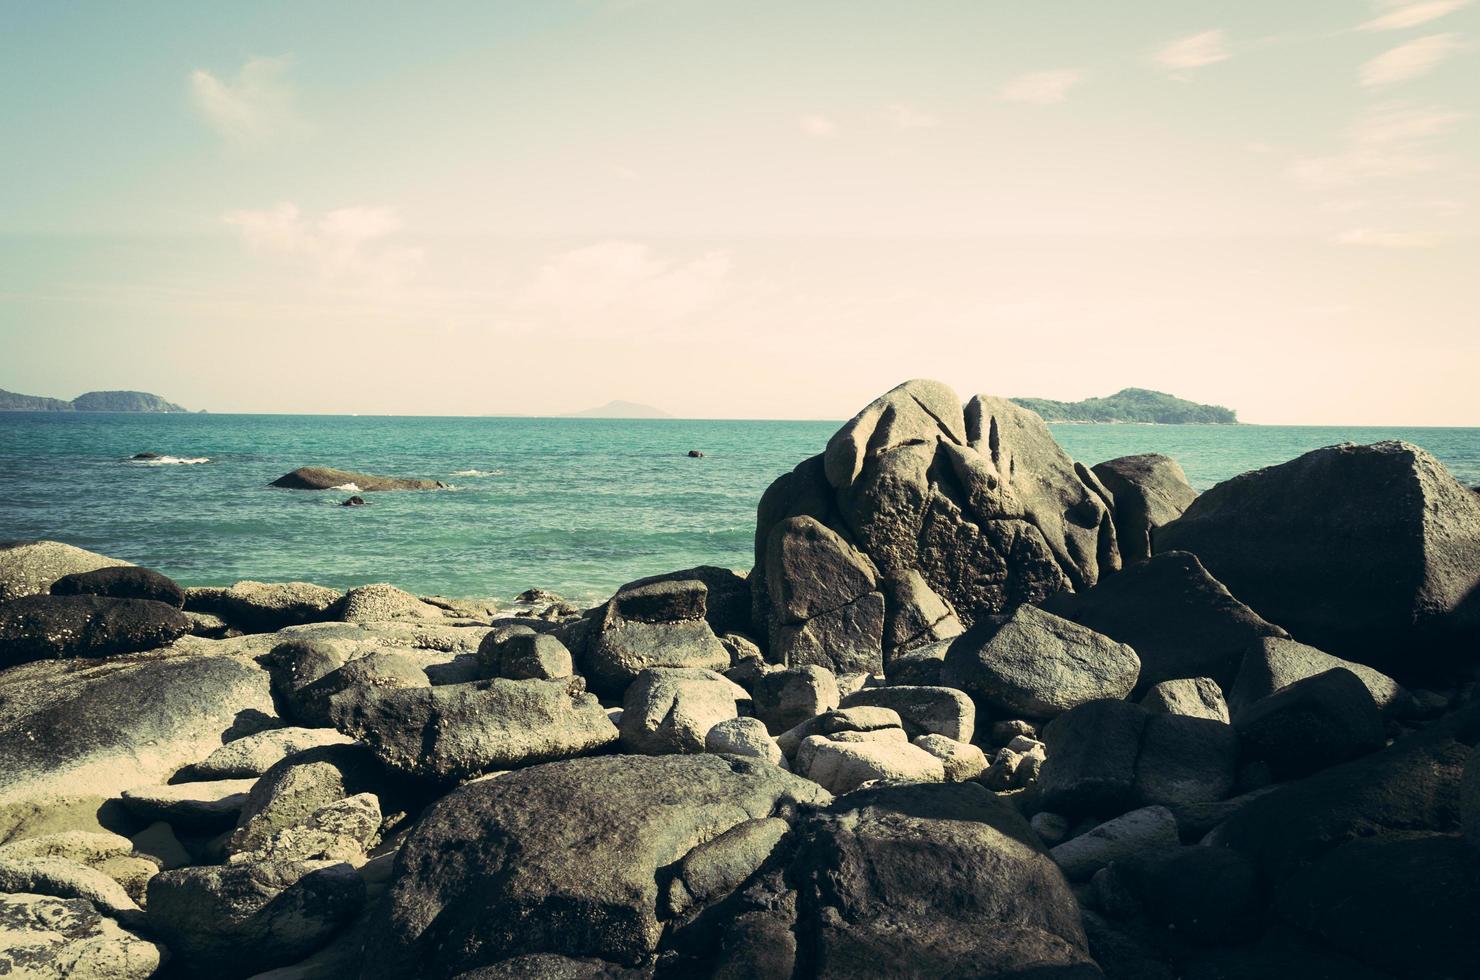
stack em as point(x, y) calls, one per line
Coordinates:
point(618, 409)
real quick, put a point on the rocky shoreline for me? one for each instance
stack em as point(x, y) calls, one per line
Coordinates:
point(977, 710)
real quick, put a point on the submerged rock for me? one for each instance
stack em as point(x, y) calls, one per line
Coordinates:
point(325, 478)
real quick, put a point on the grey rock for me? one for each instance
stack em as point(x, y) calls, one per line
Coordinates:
point(859, 719)
point(743, 736)
point(62, 878)
point(1092, 753)
point(842, 767)
point(46, 627)
point(50, 938)
point(1051, 828)
point(381, 602)
point(961, 760)
point(844, 640)
point(785, 698)
point(1193, 697)
point(201, 807)
point(660, 600)
point(1148, 491)
point(562, 859)
point(914, 615)
point(1146, 829)
point(454, 731)
point(1272, 663)
point(726, 596)
point(922, 710)
point(311, 703)
point(672, 709)
point(236, 920)
point(812, 570)
point(253, 755)
point(1209, 895)
point(259, 607)
point(1185, 760)
point(1369, 552)
point(340, 831)
point(121, 582)
point(1469, 796)
point(537, 656)
point(1311, 724)
point(1179, 619)
point(30, 567)
point(719, 866)
point(626, 648)
point(326, 478)
point(290, 792)
point(1040, 665)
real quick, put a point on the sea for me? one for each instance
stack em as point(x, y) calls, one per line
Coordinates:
point(576, 506)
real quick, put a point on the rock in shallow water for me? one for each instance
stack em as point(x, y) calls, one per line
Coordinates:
point(326, 478)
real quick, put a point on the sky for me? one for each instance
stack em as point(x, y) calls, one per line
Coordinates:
point(744, 209)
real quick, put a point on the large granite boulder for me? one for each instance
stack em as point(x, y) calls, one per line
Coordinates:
point(672, 709)
point(46, 937)
point(1272, 663)
point(653, 623)
point(932, 881)
point(294, 789)
point(569, 858)
point(30, 567)
point(1311, 724)
point(1038, 665)
point(381, 602)
point(261, 607)
point(122, 582)
point(1371, 553)
point(327, 478)
point(240, 919)
point(1148, 491)
point(80, 727)
point(959, 514)
point(824, 605)
point(726, 595)
point(1180, 620)
point(47, 627)
point(454, 731)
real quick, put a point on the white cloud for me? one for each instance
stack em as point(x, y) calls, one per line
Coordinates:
point(815, 124)
point(1041, 87)
point(624, 283)
point(258, 105)
point(1194, 51)
point(1392, 139)
point(903, 116)
point(347, 243)
point(1412, 14)
point(1371, 238)
point(1410, 60)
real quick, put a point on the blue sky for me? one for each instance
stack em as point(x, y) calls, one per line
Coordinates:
point(743, 209)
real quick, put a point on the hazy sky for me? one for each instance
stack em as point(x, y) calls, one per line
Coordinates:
point(748, 209)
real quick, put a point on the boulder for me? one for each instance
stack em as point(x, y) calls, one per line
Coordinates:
point(310, 703)
point(1406, 905)
point(47, 627)
point(454, 731)
point(121, 582)
point(844, 640)
point(1092, 753)
point(824, 605)
point(1179, 619)
point(340, 831)
point(62, 878)
point(785, 698)
point(1147, 829)
point(1185, 760)
point(98, 727)
point(1369, 552)
point(624, 648)
point(381, 603)
point(1192, 697)
point(300, 785)
point(672, 709)
point(564, 859)
point(1039, 665)
point(1311, 724)
point(30, 567)
point(1147, 490)
point(239, 919)
point(1208, 895)
point(253, 755)
point(914, 615)
point(842, 767)
point(1272, 663)
point(743, 736)
point(259, 607)
point(204, 807)
point(325, 478)
point(922, 710)
point(858, 719)
point(961, 760)
point(1411, 787)
point(45, 937)
point(726, 595)
point(931, 881)
point(533, 656)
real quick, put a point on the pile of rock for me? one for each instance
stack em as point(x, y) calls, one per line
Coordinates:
point(978, 710)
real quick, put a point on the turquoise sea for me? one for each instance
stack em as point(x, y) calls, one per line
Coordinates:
point(574, 505)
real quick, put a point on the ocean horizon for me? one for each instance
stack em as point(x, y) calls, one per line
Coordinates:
point(577, 506)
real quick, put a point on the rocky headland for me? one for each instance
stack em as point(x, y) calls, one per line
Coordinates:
point(89, 401)
point(977, 710)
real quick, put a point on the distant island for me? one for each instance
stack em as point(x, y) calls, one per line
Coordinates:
point(92, 401)
point(620, 410)
point(1131, 405)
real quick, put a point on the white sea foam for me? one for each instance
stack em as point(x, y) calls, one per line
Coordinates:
point(477, 473)
point(347, 487)
point(173, 461)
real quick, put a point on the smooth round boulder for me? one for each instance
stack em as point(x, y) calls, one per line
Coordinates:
point(672, 709)
point(48, 627)
point(122, 582)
